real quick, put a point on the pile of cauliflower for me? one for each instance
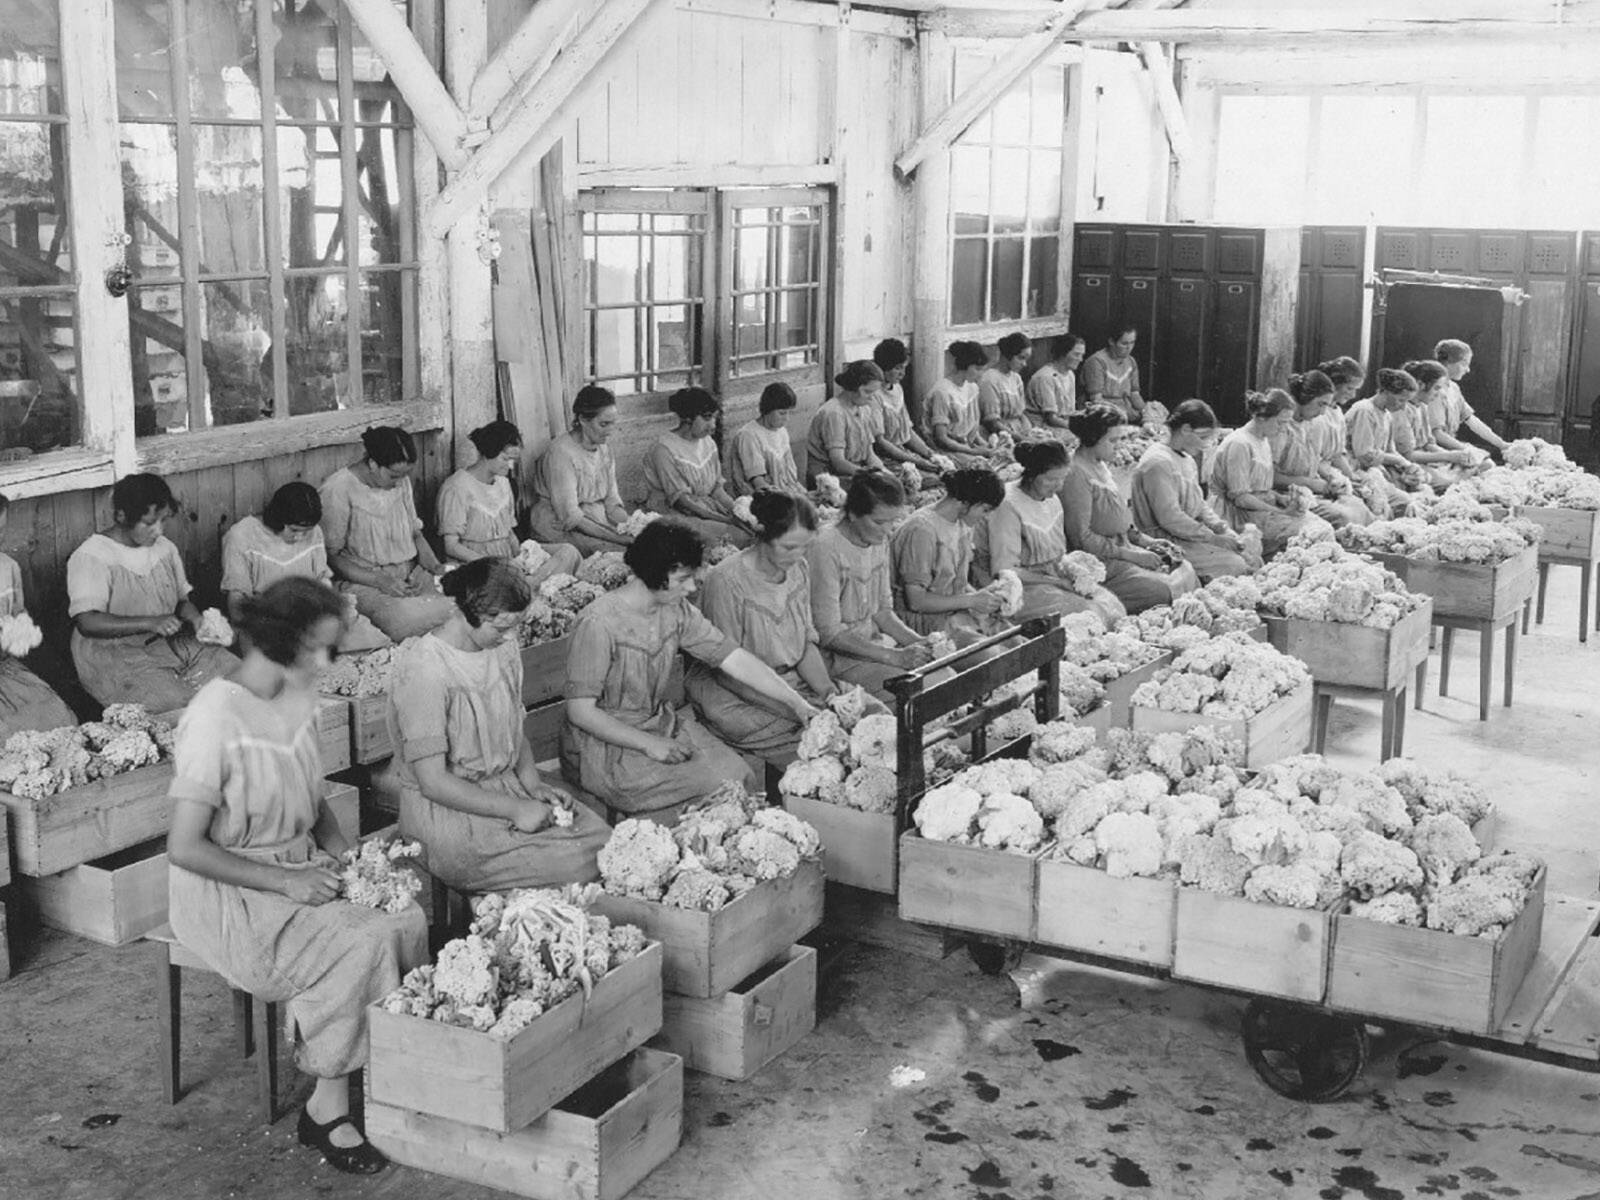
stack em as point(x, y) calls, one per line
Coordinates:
point(1131, 448)
point(371, 874)
point(359, 675)
point(1225, 605)
point(19, 635)
point(1542, 487)
point(846, 756)
point(1536, 452)
point(1452, 540)
point(605, 570)
point(1322, 581)
point(830, 491)
point(633, 524)
point(719, 849)
point(1231, 676)
point(1105, 656)
point(544, 622)
point(1083, 572)
point(531, 556)
point(214, 629)
point(35, 764)
point(527, 951)
point(569, 593)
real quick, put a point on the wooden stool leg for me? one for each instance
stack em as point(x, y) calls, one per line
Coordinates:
point(1386, 733)
point(1511, 660)
point(1399, 746)
point(243, 1031)
point(1583, 605)
point(1446, 644)
point(1319, 729)
point(265, 1019)
point(1422, 682)
point(1544, 580)
point(169, 998)
point(1485, 670)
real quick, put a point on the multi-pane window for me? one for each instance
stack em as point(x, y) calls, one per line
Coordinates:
point(39, 393)
point(1005, 184)
point(267, 188)
point(774, 290)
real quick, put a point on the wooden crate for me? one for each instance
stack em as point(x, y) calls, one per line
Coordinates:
point(5, 946)
point(596, 1144)
point(706, 953)
point(504, 1083)
point(543, 728)
point(859, 849)
point(967, 887)
point(1280, 730)
point(1119, 692)
point(1470, 591)
point(1097, 719)
point(344, 802)
point(84, 823)
point(1427, 977)
point(1355, 655)
point(369, 730)
point(737, 1033)
point(113, 900)
point(544, 671)
point(1083, 908)
point(1264, 948)
point(333, 733)
point(1569, 533)
point(5, 846)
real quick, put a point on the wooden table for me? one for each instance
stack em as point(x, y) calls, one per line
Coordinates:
point(1391, 739)
point(1486, 628)
point(1571, 539)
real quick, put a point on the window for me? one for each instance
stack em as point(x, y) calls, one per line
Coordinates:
point(1005, 176)
point(266, 179)
point(39, 408)
point(720, 289)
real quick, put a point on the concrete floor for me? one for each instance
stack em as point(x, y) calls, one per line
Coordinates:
point(1097, 1084)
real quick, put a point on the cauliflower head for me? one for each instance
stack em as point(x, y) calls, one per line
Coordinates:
point(872, 741)
point(1130, 844)
point(1370, 865)
point(948, 813)
point(638, 859)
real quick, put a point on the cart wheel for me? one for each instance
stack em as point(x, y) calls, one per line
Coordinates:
point(1301, 1053)
point(995, 958)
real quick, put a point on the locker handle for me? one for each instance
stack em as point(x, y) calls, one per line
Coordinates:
point(1140, 284)
point(1234, 289)
point(1091, 283)
point(1185, 286)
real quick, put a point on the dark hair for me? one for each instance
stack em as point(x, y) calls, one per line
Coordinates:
point(294, 503)
point(591, 401)
point(1343, 369)
point(492, 439)
point(1064, 344)
point(891, 353)
point(872, 490)
point(1094, 422)
point(487, 587)
point(778, 512)
point(135, 495)
point(776, 397)
point(1117, 328)
point(1041, 457)
point(1192, 414)
point(858, 374)
point(1451, 350)
point(388, 446)
point(1395, 382)
point(1013, 344)
point(5, 502)
point(975, 485)
point(662, 547)
point(1312, 385)
point(1426, 371)
point(967, 354)
point(688, 403)
point(1268, 403)
point(276, 620)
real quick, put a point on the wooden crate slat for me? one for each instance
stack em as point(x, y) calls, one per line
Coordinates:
point(1281, 730)
point(1083, 908)
point(5, 946)
point(5, 846)
point(544, 671)
point(333, 734)
point(85, 823)
point(1569, 922)
point(344, 802)
point(113, 900)
point(1570, 1024)
point(1470, 591)
point(859, 849)
point(737, 1033)
point(1354, 655)
point(1568, 533)
point(1119, 692)
point(543, 728)
point(1263, 948)
point(967, 887)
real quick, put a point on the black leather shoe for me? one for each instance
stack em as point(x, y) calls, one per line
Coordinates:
point(363, 1159)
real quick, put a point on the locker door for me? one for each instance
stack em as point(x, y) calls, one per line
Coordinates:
point(1587, 360)
point(1180, 358)
point(1233, 343)
point(1135, 302)
point(1091, 307)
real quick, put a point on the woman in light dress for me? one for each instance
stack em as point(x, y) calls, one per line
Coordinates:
point(575, 497)
point(683, 473)
point(840, 439)
point(1303, 455)
point(951, 408)
point(1169, 503)
point(1002, 404)
point(932, 559)
point(1243, 473)
point(1052, 392)
point(895, 437)
point(760, 454)
point(1373, 441)
point(26, 701)
point(1111, 376)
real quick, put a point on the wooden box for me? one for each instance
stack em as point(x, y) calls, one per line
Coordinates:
point(1083, 908)
point(1280, 730)
point(504, 1083)
point(1355, 655)
point(344, 802)
point(967, 887)
point(369, 730)
point(737, 1033)
point(706, 953)
point(113, 900)
point(597, 1144)
point(1119, 691)
point(333, 734)
point(543, 728)
point(1264, 948)
point(5, 947)
point(85, 823)
point(544, 671)
point(1471, 591)
point(1427, 977)
point(1569, 533)
point(5, 846)
point(1098, 719)
point(859, 849)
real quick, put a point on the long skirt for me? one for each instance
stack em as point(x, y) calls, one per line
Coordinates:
point(1040, 598)
point(401, 617)
point(962, 627)
point(328, 961)
point(475, 853)
point(632, 782)
point(160, 673)
point(544, 526)
point(28, 702)
point(1277, 527)
point(1137, 587)
point(712, 531)
point(1210, 560)
point(745, 720)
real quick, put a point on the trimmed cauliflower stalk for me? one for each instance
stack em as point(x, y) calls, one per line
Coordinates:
point(370, 874)
point(19, 635)
point(638, 859)
point(1371, 865)
point(214, 628)
point(948, 813)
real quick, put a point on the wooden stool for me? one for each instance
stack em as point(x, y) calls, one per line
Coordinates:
point(1393, 735)
point(1584, 565)
point(452, 908)
point(255, 1023)
point(1486, 630)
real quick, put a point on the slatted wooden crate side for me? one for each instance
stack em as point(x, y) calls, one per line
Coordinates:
point(5, 846)
point(1119, 691)
point(542, 725)
point(1280, 730)
point(859, 849)
point(84, 823)
point(1355, 655)
point(333, 734)
point(1262, 948)
point(113, 900)
point(544, 671)
point(1568, 533)
point(1085, 909)
point(344, 801)
point(967, 887)
point(369, 730)
point(736, 1034)
point(5, 946)
point(1475, 591)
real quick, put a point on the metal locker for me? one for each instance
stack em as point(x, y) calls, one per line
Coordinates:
point(1180, 355)
point(1134, 300)
point(1233, 348)
point(1091, 307)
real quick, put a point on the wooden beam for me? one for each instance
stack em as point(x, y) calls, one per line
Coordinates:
point(436, 114)
point(537, 123)
point(433, 272)
point(930, 284)
point(1467, 19)
point(527, 53)
point(683, 175)
point(978, 99)
point(1159, 69)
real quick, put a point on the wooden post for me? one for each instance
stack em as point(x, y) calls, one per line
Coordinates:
point(524, 56)
point(835, 353)
point(930, 297)
point(1077, 159)
point(433, 272)
point(436, 114)
point(1194, 181)
point(1159, 69)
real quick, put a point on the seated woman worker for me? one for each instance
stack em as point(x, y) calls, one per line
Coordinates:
point(1413, 428)
point(1243, 472)
point(1374, 443)
point(1168, 502)
point(574, 483)
point(683, 473)
point(26, 701)
point(253, 882)
point(623, 740)
point(951, 408)
point(470, 789)
point(895, 438)
point(760, 454)
point(1002, 403)
point(1303, 455)
point(839, 441)
point(931, 558)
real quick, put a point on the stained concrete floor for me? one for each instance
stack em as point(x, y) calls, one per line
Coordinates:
point(1095, 1085)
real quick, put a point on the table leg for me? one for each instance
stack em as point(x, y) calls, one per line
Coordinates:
point(1485, 669)
point(1445, 646)
point(1422, 683)
point(169, 998)
point(1386, 735)
point(1319, 730)
point(1544, 579)
point(1583, 604)
point(1400, 722)
point(1511, 658)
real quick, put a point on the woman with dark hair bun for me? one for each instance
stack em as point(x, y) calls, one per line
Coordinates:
point(1373, 444)
point(1111, 376)
point(1330, 436)
point(1026, 535)
point(470, 786)
point(760, 454)
point(1168, 501)
point(253, 882)
point(1053, 390)
point(932, 558)
point(623, 741)
point(1413, 428)
point(683, 472)
point(1242, 475)
point(863, 641)
point(894, 437)
point(374, 537)
point(951, 408)
point(761, 598)
point(1300, 457)
point(1002, 406)
point(574, 483)
point(1449, 410)
point(133, 637)
point(839, 441)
